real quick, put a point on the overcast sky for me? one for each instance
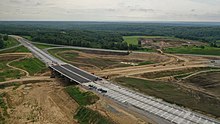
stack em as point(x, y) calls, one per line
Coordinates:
point(110, 10)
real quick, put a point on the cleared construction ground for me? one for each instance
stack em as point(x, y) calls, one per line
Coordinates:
point(21, 102)
point(161, 75)
point(165, 76)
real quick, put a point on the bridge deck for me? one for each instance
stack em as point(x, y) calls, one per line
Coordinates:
point(70, 74)
point(80, 72)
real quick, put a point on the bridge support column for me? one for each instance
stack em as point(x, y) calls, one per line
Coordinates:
point(54, 74)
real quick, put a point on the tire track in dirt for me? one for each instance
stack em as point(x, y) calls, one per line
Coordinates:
point(26, 55)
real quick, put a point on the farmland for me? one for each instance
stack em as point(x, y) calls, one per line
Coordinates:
point(134, 39)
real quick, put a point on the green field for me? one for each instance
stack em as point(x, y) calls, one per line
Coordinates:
point(134, 39)
point(27, 37)
point(20, 49)
point(146, 63)
point(54, 53)
point(10, 42)
point(194, 50)
point(3, 109)
point(86, 115)
point(32, 65)
point(173, 94)
point(69, 56)
point(6, 72)
point(82, 98)
point(89, 116)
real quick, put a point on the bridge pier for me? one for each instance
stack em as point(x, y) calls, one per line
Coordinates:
point(54, 74)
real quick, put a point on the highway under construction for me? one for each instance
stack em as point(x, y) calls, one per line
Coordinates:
point(157, 109)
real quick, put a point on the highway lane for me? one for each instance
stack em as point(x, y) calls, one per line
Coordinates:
point(149, 105)
point(170, 112)
point(73, 73)
point(37, 52)
point(70, 74)
point(81, 72)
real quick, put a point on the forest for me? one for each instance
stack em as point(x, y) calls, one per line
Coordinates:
point(2, 39)
point(108, 35)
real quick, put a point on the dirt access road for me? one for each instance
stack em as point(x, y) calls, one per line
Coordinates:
point(176, 62)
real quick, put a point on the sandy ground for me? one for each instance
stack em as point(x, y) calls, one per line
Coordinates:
point(131, 58)
point(40, 100)
point(175, 63)
point(43, 102)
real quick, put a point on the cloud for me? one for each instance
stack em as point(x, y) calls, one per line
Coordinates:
point(114, 10)
point(38, 4)
point(143, 10)
point(193, 10)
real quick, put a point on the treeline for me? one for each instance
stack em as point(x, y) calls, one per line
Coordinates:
point(2, 39)
point(73, 37)
point(1, 42)
point(95, 39)
point(108, 34)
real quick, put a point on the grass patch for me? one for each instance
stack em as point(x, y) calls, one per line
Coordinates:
point(147, 50)
point(6, 72)
point(10, 42)
point(146, 63)
point(89, 116)
point(182, 76)
point(3, 111)
point(54, 52)
point(68, 55)
point(32, 65)
point(194, 50)
point(27, 37)
point(82, 98)
point(16, 85)
point(175, 73)
point(173, 94)
point(134, 39)
point(208, 80)
point(20, 49)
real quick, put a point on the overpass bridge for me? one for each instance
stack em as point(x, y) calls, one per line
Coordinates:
point(74, 74)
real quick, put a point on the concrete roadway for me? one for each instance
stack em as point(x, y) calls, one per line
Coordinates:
point(150, 105)
point(156, 108)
